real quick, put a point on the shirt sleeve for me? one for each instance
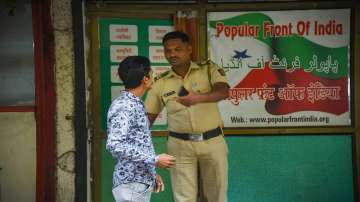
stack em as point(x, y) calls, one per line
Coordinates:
point(118, 143)
point(153, 102)
point(217, 74)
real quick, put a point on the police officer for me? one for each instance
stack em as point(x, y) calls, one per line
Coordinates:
point(190, 93)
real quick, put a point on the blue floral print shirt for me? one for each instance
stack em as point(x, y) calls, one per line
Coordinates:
point(129, 141)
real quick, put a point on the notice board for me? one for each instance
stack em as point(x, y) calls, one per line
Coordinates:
point(119, 38)
point(122, 37)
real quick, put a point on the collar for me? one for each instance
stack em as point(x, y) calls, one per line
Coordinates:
point(131, 95)
point(193, 66)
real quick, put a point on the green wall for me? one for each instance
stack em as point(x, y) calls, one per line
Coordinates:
point(311, 168)
point(291, 168)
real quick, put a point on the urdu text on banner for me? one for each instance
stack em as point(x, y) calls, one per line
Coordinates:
point(285, 68)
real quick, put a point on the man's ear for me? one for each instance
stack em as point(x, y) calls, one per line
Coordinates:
point(146, 79)
point(190, 49)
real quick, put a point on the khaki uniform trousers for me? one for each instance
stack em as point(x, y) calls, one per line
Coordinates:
point(209, 157)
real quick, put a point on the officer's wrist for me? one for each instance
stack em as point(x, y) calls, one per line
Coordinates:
point(200, 98)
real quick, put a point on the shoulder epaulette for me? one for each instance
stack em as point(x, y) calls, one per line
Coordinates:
point(162, 75)
point(206, 62)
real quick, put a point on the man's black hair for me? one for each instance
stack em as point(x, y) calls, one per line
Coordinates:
point(176, 35)
point(132, 70)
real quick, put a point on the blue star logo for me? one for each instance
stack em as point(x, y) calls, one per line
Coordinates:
point(241, 55)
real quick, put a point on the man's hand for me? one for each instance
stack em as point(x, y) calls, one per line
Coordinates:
point(165, 161)
point(189, 99)
point(160, 186)
point(220, 91)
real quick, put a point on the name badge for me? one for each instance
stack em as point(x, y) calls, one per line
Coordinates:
point(169, 93)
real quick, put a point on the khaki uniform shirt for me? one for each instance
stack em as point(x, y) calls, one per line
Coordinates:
point(197, 118)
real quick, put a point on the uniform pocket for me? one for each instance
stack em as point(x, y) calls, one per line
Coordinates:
point(172, 106)
point(219, 143)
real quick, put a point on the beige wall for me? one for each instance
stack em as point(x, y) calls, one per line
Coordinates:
point(17, 156)
point(64, 78)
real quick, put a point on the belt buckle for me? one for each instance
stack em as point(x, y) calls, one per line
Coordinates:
point(196, 137)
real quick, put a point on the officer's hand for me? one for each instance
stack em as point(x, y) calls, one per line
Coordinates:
point(160, 186)
point(189, 99)
point(165, 161)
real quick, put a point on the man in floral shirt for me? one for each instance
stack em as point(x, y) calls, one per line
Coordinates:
point(129, 136)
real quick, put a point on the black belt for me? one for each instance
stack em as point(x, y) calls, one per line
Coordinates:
point(197, 137)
